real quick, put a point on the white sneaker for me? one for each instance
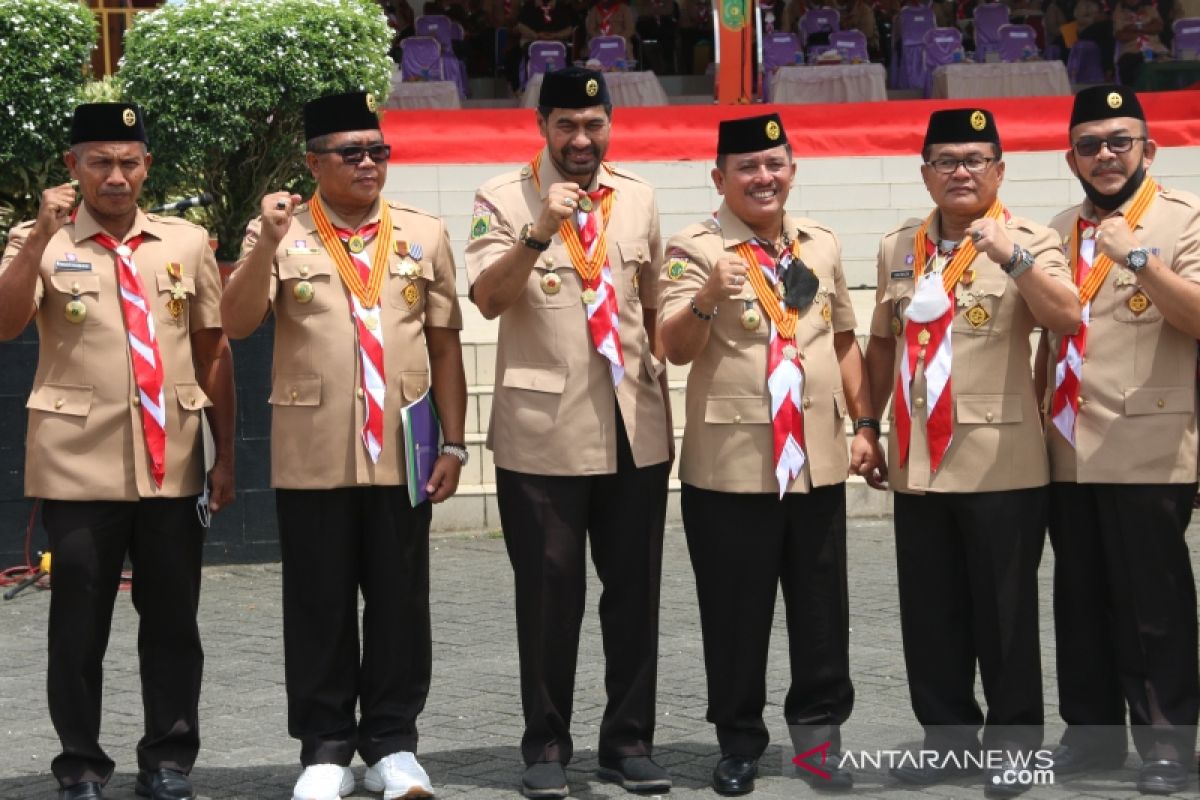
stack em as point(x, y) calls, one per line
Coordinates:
point(324, 782)
point(398, 775)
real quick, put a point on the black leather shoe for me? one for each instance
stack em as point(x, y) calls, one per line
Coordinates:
point(1073, 759)
point(1162, 777)
point(929, 774)
point(88, 790)
point(635, 774)
point(544, 779)
point(839, 780)
point(735, 775)
point(164, 784)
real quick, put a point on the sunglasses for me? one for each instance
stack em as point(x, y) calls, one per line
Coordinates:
point(1089, 146)
point(354, 154)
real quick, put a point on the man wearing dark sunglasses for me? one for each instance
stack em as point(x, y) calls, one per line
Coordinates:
point(959, 295)
point(1121, 433)
point(366, 323)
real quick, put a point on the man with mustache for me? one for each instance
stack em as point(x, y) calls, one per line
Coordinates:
point(959, 294)
point(366, 323)
point(565, 251)
point(131, 357)
point(1121, 433)
point(756, 301)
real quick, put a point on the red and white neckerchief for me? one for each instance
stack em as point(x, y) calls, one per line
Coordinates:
point(367, 321)
point(606, 9)
point(930, 315)
point(547, 10)
point(1090, 271)
point(143, 351)
point(587, 244)
point(785, 373)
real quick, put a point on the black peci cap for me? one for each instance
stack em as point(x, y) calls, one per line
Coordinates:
point(1105, 102)
point(573, 87)
point(334, 113)
point(108, 122)
point(960, 126)
point(750, 134)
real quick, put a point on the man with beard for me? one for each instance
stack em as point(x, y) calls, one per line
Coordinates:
point(756, 301)
point(366, 323)
point(1121, 433)
point(959, 294)
point(565, 252)
point(130, 356)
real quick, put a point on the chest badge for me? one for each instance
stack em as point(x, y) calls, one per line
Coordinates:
point(977, 315)
point(1138, 302)
point(551, 283)
point(303, 292)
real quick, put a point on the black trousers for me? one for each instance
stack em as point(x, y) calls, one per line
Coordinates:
point(1125, 616)
point(89, 542)
point(337, 543)
point(967, 567)
point(742, 547)
point(547, 522)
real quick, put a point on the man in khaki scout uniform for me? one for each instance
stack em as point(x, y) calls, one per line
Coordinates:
point(1121, 432)
point(366, 322)
point(565, 252)
point(755, 300)
point(131, 354)
point(959, 294)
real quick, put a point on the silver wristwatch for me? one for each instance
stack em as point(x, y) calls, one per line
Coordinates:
point(1020, 263)
point(1137, 259)
point(459, 451)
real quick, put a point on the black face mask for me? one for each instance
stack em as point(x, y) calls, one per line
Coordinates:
point(1111, 202)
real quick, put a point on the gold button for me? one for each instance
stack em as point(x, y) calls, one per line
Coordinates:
point(359, 391)
point(919, 402)
point(1161, 403)
point(137, 401)
point(1082, 402)
point(737, 417)
point(304, 272)
point(58, 403)
point(191, 401)
point(808, 402)
point(74, 288)
point(641, 254)
point(988, 416)
point(295, 394)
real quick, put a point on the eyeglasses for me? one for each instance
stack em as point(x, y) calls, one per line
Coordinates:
point(1089, 146)
point(948, 166)
point(354, 154)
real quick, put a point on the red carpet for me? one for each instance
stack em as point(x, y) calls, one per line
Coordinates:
point(689, 133)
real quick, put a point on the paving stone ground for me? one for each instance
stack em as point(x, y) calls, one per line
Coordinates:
point(471, 727)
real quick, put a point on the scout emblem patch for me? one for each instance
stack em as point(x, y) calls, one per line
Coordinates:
point(481, 219)
point(675, 268)
point(1138, 302)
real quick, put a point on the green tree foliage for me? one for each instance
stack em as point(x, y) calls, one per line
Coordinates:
point(44, 47)
point(223, 85)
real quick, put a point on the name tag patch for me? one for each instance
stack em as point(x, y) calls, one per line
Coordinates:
point(71, 265)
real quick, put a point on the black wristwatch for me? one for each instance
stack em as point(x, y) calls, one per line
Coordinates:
point(867, 422)
point(1137, 259)
point(530, 242)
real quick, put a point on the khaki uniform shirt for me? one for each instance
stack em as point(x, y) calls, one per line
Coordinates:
point(727, 438)
point(997, 440)
point(85, 439)
point(318, 411)
point(1137, 399)
point(553, 409)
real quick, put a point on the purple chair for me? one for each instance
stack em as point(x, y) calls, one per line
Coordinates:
point(609, 51)
point(543, 57)
point(852, 45)
point(988, 19)
point(819, 20)
point(421, 59)
point(942, 46)
point(436, 25)
point(1084, 64)
point(1186, 41)
point(908, 57)
point(1018, 43)
point(779, 50)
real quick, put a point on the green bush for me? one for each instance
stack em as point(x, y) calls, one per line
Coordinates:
point(223, 84)
point(44, 47)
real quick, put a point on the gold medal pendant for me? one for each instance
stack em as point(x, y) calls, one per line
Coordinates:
point(923, 338)
point(897, 326)
point(551, 283)
point(175, 307)
point(977, 315)
point(411, 294)
point(1138, 302)
point(75, 311)
point(588, 296)
point(586, 205)
point(968, 277)
point(826, 313)
point(356, 244)
point(303, 292)
point(790, 352)
point(751, 319)
point(372, 322)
